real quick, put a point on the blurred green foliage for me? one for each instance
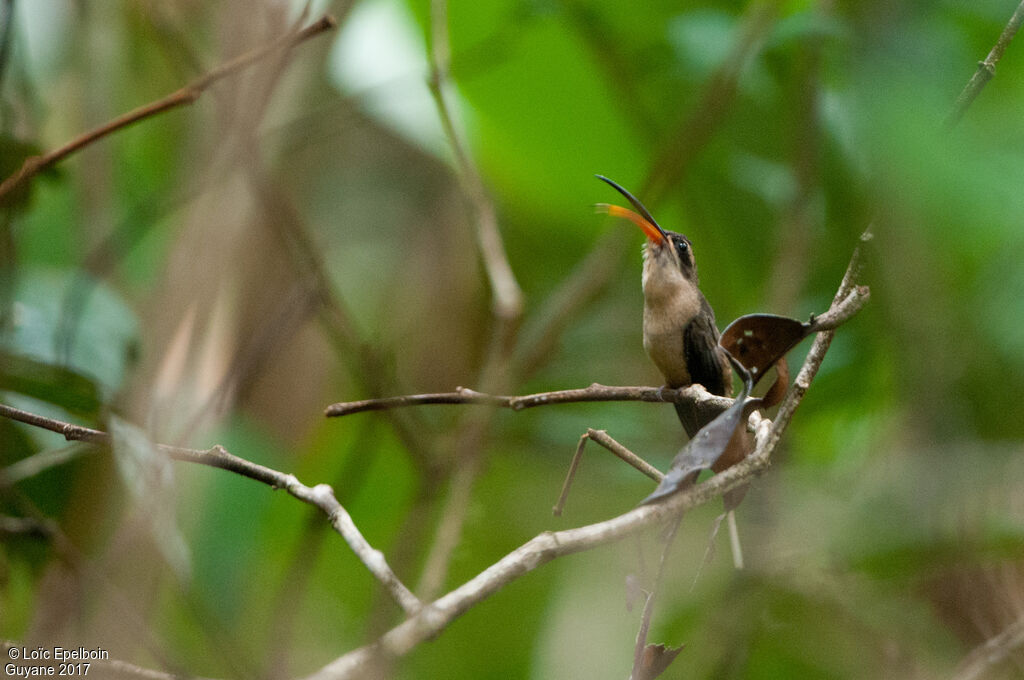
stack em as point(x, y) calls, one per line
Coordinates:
point(154, 278)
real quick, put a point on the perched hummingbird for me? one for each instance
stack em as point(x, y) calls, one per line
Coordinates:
point(680, 335)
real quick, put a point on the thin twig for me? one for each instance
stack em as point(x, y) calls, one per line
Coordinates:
point(570, 476)
point(638, 463)
point(320, 496)
point(301, 565)
point(639, 672)
point(595, 392)
point(183, 97)
point(506, 309)
point(601, 437)
point(986, 68)
point(844, 308)
point(734, 540)
point(469, 459)
point(847, 294)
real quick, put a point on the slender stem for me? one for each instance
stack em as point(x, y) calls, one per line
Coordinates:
point(536, 552)
point(734, 540)
point(570, 476)
point(601, 437)
point(595, 392)
point(639, 670)
point(986, 69)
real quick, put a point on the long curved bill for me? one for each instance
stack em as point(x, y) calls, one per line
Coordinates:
point(651, 231)
point(644, 219)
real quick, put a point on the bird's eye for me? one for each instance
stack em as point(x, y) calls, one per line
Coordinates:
point(682, 246)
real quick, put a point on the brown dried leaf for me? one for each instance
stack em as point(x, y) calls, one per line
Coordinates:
point(655, 660)
point(759, 340)
point(721, 435)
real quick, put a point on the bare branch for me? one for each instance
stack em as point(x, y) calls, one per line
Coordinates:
point(320, 496)
point(570, 475)
point(849, 294)
point(640, 671)
point(986, 68)
point(843, 310)
point(595, 392)
point(506, 308)
point(183, 97)
point(602, 438)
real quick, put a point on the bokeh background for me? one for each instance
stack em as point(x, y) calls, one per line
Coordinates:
point(298, 236)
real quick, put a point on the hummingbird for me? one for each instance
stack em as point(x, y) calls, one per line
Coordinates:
point(680, 335)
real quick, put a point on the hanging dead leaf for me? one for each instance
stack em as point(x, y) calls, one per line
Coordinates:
point(759, 340)
point(720, 437)
point(655, 660)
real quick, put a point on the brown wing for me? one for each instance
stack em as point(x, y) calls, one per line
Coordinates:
point(703, 356)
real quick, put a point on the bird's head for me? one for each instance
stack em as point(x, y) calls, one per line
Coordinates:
point(668, 256)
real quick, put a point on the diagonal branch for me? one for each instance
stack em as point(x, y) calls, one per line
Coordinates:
point(986, 68)
point(183, 97)
point(320, 496)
